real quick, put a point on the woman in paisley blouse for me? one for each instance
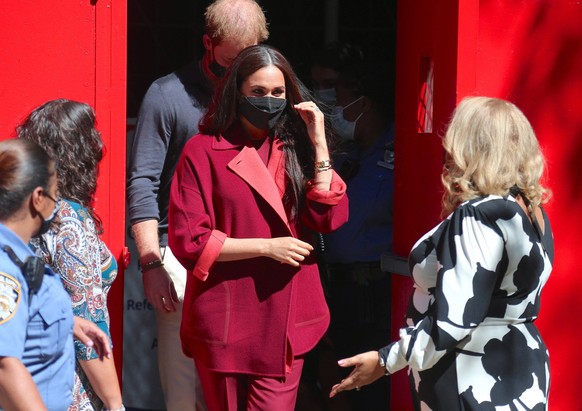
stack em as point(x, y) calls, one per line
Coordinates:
point(470, 342)
point(72, 247)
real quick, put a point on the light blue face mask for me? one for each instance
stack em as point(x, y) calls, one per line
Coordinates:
point(344, 128)
point(326, 96)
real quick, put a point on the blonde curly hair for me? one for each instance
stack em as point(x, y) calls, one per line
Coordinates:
point(490, 147)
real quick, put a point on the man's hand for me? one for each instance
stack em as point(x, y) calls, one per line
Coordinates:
point(159, 289)
point(157, 285)
point(92, 336)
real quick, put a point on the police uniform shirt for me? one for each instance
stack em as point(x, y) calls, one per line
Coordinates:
point(38, 331)
point(369, 176)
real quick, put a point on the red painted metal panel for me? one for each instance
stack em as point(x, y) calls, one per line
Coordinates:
point(110, 100)
point(48, 51)
point(530, 52)
point(427, 31)
point(74, 49)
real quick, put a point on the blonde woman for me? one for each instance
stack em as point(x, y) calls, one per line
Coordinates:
point(470, 342)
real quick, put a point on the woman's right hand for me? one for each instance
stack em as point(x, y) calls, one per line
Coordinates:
point(288, 250)
point(314, 121)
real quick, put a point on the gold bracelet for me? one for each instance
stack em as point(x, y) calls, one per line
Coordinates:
point(321, 166)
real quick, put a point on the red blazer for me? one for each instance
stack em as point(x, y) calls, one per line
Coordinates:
point(251, 316)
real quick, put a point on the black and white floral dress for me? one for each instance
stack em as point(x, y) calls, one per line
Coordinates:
point(471, 343)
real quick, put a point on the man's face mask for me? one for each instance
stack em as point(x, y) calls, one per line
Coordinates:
point(216, 69)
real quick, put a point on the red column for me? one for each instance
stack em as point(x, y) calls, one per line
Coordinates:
point(426, 58)
point(526, 51)
point(74, 50)
point(530, 52)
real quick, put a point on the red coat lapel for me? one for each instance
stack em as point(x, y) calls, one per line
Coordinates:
point(249, 166)
point(276, 166)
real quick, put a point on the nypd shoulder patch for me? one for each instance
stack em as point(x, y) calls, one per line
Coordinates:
point(10, 291)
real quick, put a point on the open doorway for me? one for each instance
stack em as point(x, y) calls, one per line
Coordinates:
point(163, 36)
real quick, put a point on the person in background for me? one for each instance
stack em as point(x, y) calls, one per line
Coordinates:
point(470, 342)
point(66, 131)
point(327, 66)
point(248, 194)
point(359, 292)
point(36, 320)
point(168, 118)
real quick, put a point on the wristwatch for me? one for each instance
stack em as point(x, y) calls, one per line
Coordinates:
point(382, 363)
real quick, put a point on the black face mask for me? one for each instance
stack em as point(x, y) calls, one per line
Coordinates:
point(262, 112)
point(217, 69)
point(45, 225)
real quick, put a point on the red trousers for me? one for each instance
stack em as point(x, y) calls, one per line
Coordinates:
point(243, 392)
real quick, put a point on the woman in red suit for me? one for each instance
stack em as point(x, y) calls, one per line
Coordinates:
point(248, 194)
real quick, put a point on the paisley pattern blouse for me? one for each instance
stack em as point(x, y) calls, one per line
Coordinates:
point(73, 249)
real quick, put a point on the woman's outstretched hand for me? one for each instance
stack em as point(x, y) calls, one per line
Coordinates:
point(366, 371)
point(91, 335)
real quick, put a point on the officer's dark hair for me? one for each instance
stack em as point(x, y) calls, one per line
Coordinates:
point(24, 166)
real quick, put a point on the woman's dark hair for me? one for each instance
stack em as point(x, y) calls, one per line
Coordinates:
point(223, 114)
point(24, 166)
point(66, 130)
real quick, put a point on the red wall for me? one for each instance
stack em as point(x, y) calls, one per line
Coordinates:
point(77, 50)
point(530, 52)
point(426, 30)
point(526, 51)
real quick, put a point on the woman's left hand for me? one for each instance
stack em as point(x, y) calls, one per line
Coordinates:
point(314, 121)
point(367, 370)
point(92, 336)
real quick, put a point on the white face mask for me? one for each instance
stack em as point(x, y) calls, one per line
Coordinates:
point(344, 128)
point(326, 96)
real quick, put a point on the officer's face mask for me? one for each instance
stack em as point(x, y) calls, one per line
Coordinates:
point(344, 128)
point(46, 222)
point(326, 96)
point(262, 112)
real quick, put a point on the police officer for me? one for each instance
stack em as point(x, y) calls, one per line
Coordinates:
point(36, 319)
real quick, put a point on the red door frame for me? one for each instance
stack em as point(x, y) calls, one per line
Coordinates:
point(110, 103)
point(75, 50)
point(526, 51)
